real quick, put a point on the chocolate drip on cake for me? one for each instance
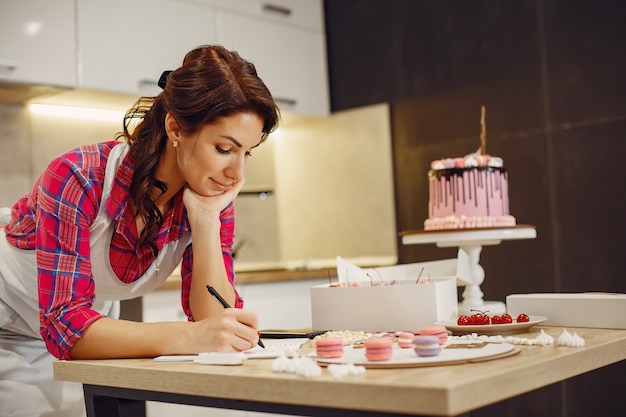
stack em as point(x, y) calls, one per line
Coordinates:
point(454, 188)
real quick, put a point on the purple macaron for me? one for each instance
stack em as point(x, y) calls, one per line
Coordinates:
point(426, 345)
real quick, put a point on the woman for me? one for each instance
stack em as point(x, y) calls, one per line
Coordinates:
point(110, 221)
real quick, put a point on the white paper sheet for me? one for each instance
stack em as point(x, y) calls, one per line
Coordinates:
point(273, 349)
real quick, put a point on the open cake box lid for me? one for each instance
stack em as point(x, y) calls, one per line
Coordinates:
point(386, 298)
point(349, 273)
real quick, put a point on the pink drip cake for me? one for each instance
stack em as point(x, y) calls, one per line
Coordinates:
point(468, 193)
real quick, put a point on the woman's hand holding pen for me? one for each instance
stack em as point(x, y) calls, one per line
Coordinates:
point(232, 330)
point(224, 304)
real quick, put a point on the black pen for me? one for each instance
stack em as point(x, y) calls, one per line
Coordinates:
point(223, 302)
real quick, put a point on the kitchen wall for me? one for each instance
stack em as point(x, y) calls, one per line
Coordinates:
point(30, 140)
point(334, 182)
point(551, 75)
point(331, 182)
point(15, 158)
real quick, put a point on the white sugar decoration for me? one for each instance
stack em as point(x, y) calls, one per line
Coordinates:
point(348, 337)
point(543, 339)
point(299, 365)
point(571, 340)
point(309, 368)
point(578, 340)
point(564, 338)
point(280, 364)
point(343, 370)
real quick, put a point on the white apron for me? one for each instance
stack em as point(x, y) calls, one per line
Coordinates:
point(27, 387)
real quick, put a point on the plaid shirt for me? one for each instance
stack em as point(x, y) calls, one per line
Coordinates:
point(54, 220)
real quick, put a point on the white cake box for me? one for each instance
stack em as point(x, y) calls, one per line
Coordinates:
point(403, 305)
point(601, 310)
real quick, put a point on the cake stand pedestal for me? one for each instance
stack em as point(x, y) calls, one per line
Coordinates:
point(470, 243)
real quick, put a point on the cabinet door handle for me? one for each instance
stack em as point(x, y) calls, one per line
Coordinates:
point(272, 8)
point(285, 100)
point(146, 83)
point(8, 65)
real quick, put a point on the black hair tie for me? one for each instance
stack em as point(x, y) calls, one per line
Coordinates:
point(163, 80)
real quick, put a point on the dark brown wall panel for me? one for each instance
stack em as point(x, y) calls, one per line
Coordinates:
point(551, 75)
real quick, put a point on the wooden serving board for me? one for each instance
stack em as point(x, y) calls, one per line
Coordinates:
point(407, 358)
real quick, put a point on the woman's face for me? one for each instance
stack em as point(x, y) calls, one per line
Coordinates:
point(213, 159)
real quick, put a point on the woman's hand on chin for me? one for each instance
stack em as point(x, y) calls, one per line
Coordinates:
point(208, 205)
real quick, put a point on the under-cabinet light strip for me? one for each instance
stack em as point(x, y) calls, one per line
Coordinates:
point(75, 112)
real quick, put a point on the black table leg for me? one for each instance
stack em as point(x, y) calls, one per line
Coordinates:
point(100, 406)
point(103, 401)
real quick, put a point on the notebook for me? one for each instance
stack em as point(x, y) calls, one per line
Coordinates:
point(273, 349)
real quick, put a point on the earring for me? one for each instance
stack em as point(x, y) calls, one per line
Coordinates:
point(175, 144)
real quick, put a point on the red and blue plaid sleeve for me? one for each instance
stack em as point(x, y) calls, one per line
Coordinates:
point(68, 195)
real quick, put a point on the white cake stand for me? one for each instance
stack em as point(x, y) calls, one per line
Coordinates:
point(470, 242)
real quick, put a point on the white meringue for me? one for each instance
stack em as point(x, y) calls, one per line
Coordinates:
point(571, 340)
point(299, 365)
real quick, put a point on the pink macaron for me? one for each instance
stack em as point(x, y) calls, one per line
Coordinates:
point(426, 345)
point(378, 349)
point(330, 347)
point(435, 330)
point(405, 339)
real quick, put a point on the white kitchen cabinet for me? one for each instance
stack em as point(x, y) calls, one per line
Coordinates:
point(302, 13)
point(280, 305)
point(37, 42)
point(162, 305)
point(289, 57)
point(283, 304)
point(124, 46)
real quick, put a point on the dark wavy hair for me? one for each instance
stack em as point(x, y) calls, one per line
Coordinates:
point(212, 82)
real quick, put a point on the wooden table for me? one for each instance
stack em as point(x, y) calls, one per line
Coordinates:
point(111, 385)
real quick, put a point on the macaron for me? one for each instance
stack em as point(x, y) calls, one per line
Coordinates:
point(378, 349)
point(435, 330)
point(330, 347)
point(426, 345)
point(405, 339)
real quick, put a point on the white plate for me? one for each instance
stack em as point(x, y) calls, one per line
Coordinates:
point(492, 328)
point(407, 358)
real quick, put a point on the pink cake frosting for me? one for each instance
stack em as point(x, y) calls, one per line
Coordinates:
point(469, 192)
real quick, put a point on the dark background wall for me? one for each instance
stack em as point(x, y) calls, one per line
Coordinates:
point(552, 76)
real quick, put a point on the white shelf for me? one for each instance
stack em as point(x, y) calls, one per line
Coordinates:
point(484, 237)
